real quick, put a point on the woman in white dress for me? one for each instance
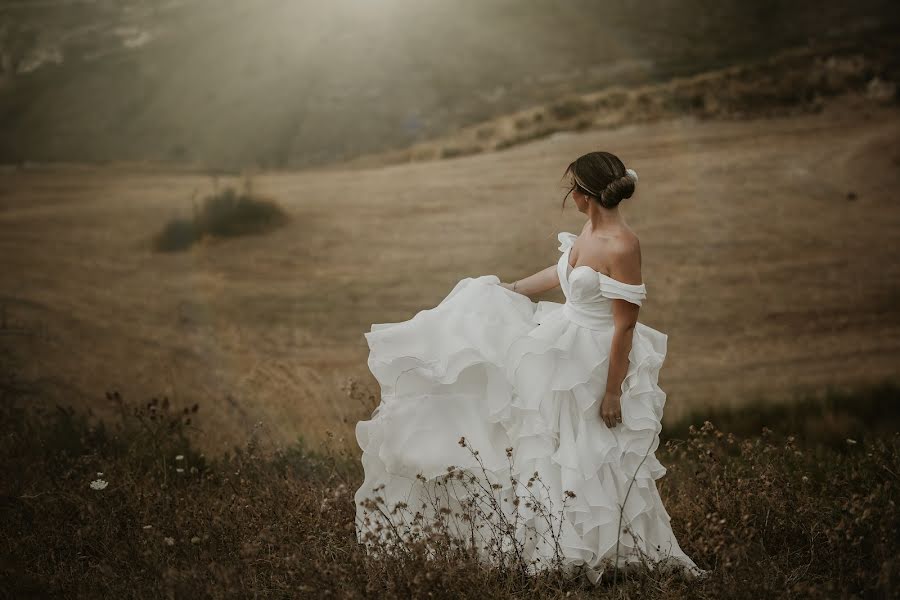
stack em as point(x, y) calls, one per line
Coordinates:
point(556, 408)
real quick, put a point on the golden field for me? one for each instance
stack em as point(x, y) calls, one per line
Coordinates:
point(769, 246)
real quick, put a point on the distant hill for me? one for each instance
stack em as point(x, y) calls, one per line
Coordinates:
point(293, 83)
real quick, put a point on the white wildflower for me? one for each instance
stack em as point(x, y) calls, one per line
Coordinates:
point(148, 527)
point(849, 441)
point(169, 541)
point(99, 484)
point(179, 470)
point(179, 457)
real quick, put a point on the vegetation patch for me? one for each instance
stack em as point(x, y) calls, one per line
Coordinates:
point(127, 507)
point(568, 108)
point(224, 213)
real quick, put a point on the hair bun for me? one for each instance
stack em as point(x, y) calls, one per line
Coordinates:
point(632, 173)
point(618, 190)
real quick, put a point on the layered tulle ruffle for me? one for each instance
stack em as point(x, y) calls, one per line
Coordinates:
point(492, 366)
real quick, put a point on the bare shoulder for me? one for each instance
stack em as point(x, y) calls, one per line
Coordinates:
point(628, 244)
point(624, 256)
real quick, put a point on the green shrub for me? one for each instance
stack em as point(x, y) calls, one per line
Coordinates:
point(178, 234)
point(225, 213)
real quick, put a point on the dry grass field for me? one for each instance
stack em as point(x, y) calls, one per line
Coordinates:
point(770, 250)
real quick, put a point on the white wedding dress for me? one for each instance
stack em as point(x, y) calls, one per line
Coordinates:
point(490, 365)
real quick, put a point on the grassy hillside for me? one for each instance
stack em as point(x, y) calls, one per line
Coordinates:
point(287, 84)
point(761, 243)
point(794, 81)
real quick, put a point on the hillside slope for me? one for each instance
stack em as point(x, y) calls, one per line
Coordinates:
point(769, 248)
point(280, 83)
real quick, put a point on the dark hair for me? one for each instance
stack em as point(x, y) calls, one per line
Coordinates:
point(604, 174)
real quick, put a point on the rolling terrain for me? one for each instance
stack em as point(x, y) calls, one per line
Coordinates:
point(290, 84)
point(770, 257)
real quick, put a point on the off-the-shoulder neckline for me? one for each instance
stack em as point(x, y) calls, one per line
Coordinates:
point(602, 275)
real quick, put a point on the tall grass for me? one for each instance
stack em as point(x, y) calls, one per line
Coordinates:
point(127, 508)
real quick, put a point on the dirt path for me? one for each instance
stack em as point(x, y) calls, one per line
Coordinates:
point(765, 276)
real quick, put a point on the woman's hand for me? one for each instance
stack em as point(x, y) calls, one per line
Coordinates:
point(611, 409)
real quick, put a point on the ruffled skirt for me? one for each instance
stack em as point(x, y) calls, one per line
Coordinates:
point(490, 408)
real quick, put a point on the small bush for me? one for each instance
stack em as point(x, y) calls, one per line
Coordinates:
point(583, 124)
point(225, 213)
point(178, 234)
point(611, 100)
point(522, 123)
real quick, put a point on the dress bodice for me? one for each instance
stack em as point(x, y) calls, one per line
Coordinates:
point(588, 292)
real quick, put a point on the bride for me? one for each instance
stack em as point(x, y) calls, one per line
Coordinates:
point(525, 429)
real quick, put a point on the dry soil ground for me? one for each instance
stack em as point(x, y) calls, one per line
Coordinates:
point(766, 276)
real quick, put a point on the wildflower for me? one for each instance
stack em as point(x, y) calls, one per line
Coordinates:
point(147, 527)
point(179, 457)
point(169, 541)
point(195, 540)
point(179, 470)
point(99, 474)
point(99, 484)
point(851, 442)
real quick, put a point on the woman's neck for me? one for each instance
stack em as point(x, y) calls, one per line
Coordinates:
point(603, 218)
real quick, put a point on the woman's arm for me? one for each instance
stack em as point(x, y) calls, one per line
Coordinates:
point(625, 316)
point(543, 280)
point(627, 269)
